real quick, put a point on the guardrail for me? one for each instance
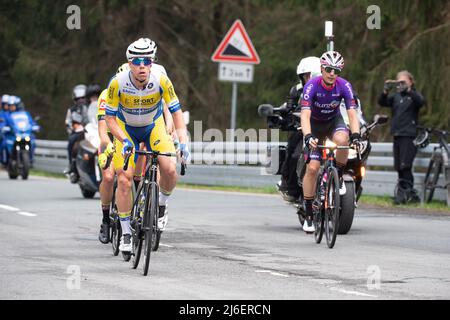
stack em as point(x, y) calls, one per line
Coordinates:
point(242, 164)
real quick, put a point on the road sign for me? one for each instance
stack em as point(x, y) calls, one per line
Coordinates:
point(236, 47)
point(236, 72)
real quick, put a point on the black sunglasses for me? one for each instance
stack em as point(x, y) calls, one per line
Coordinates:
point(336, 71)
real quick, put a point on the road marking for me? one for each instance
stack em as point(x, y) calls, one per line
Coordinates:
point(166, 245)
point(9, 208)
point(272, 273)
point(27, 214)
point(17, 210)
point(356, 293)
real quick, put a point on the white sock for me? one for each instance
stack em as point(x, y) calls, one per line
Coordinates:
point(163, 198)
point(125, 222)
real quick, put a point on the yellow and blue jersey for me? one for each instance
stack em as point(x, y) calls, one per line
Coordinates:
point(140, 107)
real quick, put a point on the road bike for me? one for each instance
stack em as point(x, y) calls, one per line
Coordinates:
point(439, 162)
point(327, 201)
point(145, 231)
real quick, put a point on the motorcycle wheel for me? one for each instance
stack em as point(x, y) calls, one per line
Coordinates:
point(87, 193)
point(25, 156)
point(12, 169)
point(347, 208)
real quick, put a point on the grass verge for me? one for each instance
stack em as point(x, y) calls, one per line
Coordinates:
point(378, 201)
point(40, 173)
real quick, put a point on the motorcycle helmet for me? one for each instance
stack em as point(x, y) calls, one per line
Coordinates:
point(422, 140)
point(309, 65)
point(5, 99)
point(79, 91)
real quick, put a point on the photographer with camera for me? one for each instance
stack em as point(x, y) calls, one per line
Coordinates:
point(405, 104)
point(308, 68)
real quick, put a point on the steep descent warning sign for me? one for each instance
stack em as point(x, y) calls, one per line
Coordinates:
point(236, 47)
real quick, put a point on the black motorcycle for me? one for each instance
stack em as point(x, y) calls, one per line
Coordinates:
point(354, 171)
point(87, 169)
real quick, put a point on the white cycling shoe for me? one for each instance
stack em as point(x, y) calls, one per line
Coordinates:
point(308, 226)
point(126, 243)
point(162, 221)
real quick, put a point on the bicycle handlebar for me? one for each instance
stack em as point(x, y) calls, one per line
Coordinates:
point(354, 147)
point(151, 154)
point(434, 131)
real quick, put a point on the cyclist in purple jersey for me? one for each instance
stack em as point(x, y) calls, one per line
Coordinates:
point(321, 118)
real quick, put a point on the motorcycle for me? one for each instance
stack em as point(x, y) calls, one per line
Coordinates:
point(353, 173)
point(86, 163)
point(20, 144)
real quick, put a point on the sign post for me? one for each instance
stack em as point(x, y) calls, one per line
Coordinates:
point(236, 56)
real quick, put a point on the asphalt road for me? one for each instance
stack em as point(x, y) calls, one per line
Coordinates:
point(217, 246)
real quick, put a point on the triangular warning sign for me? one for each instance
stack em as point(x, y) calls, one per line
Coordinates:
point(236, 47)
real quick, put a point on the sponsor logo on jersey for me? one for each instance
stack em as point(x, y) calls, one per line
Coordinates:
point(111, 93)
point(307, 92)
point(144, 101)
point(102, 105)
point(129, 91)
point(150, 85)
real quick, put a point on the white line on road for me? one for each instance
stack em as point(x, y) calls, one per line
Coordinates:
point(17, 210)
point(272, 273)
point(356, 293)
point(166, 245)
point(9, 208)
point(27, 214)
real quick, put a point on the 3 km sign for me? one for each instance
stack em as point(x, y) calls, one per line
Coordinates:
point(236, 56)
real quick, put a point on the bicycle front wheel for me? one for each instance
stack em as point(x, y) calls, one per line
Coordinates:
point(332, 207)
point(150, 223)
point(136, 226)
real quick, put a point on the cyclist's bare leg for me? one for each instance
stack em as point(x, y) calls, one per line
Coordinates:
point(107, 185)
point(341, 139)
point(309, 180)
point(124, 198)
point(167, 168)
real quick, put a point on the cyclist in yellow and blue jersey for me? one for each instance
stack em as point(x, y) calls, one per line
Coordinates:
point(107, 150)
point(134, 109)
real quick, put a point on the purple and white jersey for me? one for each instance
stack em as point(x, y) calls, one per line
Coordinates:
point(324, 101)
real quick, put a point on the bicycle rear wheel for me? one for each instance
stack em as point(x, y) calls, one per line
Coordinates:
point(114, 222)
point(150, 224)
point(332, 207)
point(431, 178)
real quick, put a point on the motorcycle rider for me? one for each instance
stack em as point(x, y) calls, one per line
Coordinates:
point(92, 95)
point(76, 119)
point(307, 69)
point(3, 110)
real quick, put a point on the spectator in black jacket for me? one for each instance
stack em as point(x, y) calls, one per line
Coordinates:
point(405, 104)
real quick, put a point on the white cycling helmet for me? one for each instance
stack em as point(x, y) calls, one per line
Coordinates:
point(124, 67)
point(5, 98)
point(309, 65)
point(142, 48)
point(332, 59)
point(79, 91)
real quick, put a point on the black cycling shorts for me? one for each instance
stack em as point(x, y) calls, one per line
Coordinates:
point(323, 130)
